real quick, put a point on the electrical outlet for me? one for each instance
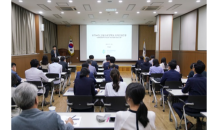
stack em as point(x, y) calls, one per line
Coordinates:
point(76, 57)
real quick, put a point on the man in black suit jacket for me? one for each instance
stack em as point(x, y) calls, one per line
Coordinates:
point(54, 52)
point(94, 63)
point(64, 64)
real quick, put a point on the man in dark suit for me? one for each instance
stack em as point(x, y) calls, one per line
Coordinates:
point(107, 73)
point(170, 75)
point(13, 70)
point(139, 62)
point(64, 64)
point(106, 64)
point(94, 63)
point(54, 52)
point(196, 85)
point(112, 60)
point(91, 75)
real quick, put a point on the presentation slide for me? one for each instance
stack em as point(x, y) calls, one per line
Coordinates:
point(120, 41)
point(109, 39)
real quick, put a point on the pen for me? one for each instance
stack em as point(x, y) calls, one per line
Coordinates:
point(76, 119)
point(73, 116)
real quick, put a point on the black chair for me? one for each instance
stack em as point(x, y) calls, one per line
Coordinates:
point(103, 84)
point(40, 87)
point(143, 77)
point(170, 85)
point(165, 70)
point(114, 104)
point(80, 103)
point(44, 70)
point(56, 77)
point(195, 102)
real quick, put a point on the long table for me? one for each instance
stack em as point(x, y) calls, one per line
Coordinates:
point(89, 122)
point(70, 92)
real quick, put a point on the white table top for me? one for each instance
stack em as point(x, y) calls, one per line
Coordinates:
point(71, 93)
point(177, 92)
point(88, 119)
point(144, 73)
point(100, 80)
point(50, 80)
point(63, 73)
point(137, 68)
point(204, 113)
point(70, 66)
point(100, 68)
point(100, 73)
point(183, 80)
point(133, 66)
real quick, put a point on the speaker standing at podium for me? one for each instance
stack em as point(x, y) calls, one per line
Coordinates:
point(54, 52)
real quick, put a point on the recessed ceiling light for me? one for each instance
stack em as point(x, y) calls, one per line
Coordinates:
point(138, 12)
point(40, 12)
point(78, 12)
point(148, 0)
point(49, 1)
point(120, 1)
point(100, 12)
point(20, 0)
point(99, 1)
point(62, 12)
point(170, 1)
point(198, 1)
point(154, 12)
point(175, 12)
point(70, 1)
point(116, 12)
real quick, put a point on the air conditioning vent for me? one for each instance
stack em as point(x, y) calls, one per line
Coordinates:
point(65, 22)
point(73, 8)
point(44, 7)
point(57, 16)
point(150, 8)
point(149, 22)
point(174, 6)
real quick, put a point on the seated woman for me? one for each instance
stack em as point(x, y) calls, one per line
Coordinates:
point(177, 66)
point(115, 88)
point(138, 117)
point(44, 63)
point(156, 67)
point(163, 64)
point(108, 71)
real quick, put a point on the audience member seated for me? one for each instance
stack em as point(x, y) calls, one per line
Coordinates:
point(31, 118)
point(115, 88)
point(194, 86)
point(64, 64)
point(94, 63)
point(156, 67)
point(163, 63)
point(170, 75)
point(204, 73)
point(13, 84)
point(91, 75)
point(139, 62)
point(107, 73)
point(34, 74)
point(112, 61)
point(137, 117)
point(56, 68)
point(13, 70)
point(84, 86)
point(105, 60)
point(106, 64)
point(44, 63)
point(191, 73)
point(152, 58)
point(52, 59)
point(145, 66)
point(177, 66)
point(91, 68)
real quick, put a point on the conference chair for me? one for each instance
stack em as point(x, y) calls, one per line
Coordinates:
point(80, 103)
point(115, 104)
point(132, 71)
point(44, 70)
point(143, 78)
point(195, 102)
point(56, 77)
point(103, 84)
point(41, 89)
point(165, 70)
point(170, 85)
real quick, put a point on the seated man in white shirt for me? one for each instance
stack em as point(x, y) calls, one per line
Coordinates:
point(34, 74)
point(56, 68)
point(137, 117)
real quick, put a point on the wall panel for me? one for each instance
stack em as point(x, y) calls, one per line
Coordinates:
point(166, 54)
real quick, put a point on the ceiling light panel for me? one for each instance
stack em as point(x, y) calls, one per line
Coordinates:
point(65, 22)
point(91, 16)
point(125, 16)
point(130, 7)
point(111, 10)
point(156, 3)
point(87, 7)
point(57, 16)
point(174, 6)
point(44, 7)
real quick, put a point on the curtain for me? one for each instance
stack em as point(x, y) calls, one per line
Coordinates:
point(49, 35)
point(23, 37)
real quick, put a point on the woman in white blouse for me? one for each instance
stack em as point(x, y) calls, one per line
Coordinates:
point(177, 66)
point(163, 63)
point(115, 88)
point(138, 117)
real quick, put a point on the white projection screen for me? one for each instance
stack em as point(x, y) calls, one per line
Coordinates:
point(202, 28)
point(120, 41)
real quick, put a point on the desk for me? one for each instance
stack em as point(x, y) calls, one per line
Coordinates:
point(50, 82)
point(136, 71)
point(73, 68)
point(175, 93)
point(100, 73)
point(69, 82)
point(141, 77)
point(100, 66)
point(204, 114)
point(132, 68)
point(70, 92)
point(88, 120)
point(62, 74)
point(99, 80)
point(100, 69)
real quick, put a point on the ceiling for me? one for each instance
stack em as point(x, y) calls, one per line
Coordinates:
point(143, 17)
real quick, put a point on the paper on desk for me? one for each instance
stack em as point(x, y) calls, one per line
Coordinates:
point(76, 122)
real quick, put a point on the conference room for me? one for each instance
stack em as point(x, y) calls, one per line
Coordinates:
point(109, 64)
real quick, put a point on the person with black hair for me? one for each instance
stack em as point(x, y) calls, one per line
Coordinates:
point(115, 88)
point(106, 59)
point(151, 57)
point(54, 52)
point(145, 66)
point(13, 87)
point(137, 117)
point(91, 75)
point(177, 66)
point(64, 64)
point(156, 67)
point(94, 63)
point(112, 61)
point(191, 73)
point(34, 74)
point(52, 59)
point(107, 63)
point(139, 62)
point(44, 63)
point(91, 68)
point(194, 86)
point(204, 73)
point(170, 75)
point(108, 71)
point(163, 63)
point(13, 71)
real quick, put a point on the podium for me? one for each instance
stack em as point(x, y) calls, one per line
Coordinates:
point(64, 52)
